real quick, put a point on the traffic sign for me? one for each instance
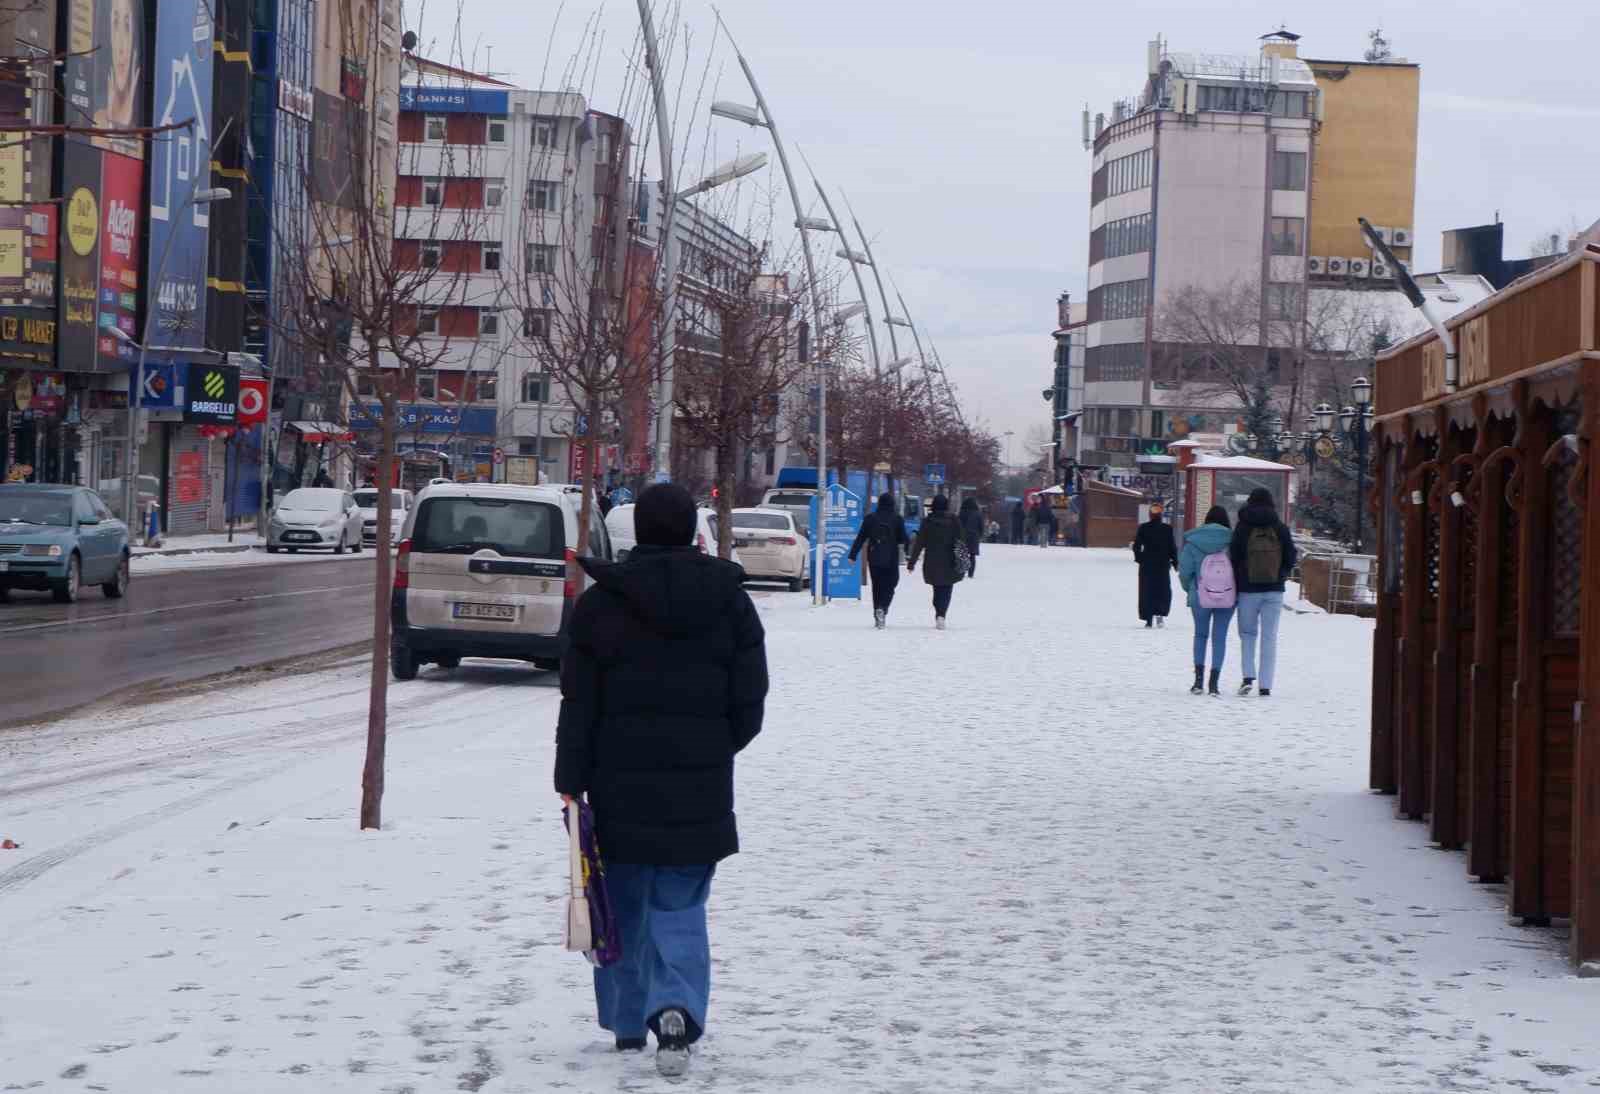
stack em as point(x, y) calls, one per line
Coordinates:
point(933, 474)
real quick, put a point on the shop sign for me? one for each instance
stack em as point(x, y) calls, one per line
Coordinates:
point(252, 402)
point(49, 393)
point(162, 385)
point(211, 394)
point(28, 333)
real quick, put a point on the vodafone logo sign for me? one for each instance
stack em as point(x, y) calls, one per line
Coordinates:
point(252, 401)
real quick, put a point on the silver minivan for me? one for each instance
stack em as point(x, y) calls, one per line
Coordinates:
point(489, 570)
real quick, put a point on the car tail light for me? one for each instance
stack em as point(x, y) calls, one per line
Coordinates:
point(572, 589)
point(700, 538)
point(402, 565)
point(787, 541)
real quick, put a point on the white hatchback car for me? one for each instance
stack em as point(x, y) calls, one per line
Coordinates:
point(489, 570)
point(619, 522)
point(772, 546)
point(315, 518)
point(400, 502)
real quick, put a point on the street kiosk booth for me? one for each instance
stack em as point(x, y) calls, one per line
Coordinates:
point(1110, 514)
point(1228, 481)
point(1486, 666)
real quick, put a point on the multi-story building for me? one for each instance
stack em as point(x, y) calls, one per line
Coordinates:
point(1215, 185)
point(1071, 337)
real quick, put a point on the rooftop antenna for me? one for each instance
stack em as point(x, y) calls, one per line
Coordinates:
point(1379, 50)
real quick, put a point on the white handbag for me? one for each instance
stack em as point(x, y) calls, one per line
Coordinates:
point(580, 932)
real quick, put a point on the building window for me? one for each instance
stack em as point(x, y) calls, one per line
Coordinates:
point(434, 128)
point(543, 197)
point(535, 388)
point(540, 258)
point(536, 323)
point(1123, 361)
point(494, 193)
point(433, 191)
point(1288, 170)
point(428, 382)
point(1119, 300)
point(1283, 300)
point(602, 147)
point(544, 132)
point(428, 323)
point(488, 321)
point(497, 131)
point(364, 385)
point(1128, 236)
point(1288, 235)
point(430, 255)
point(1291, 104)
point(488, 386)
point(1129, 173)
point(491, 256)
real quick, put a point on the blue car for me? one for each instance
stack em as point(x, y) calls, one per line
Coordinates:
point(60, 538)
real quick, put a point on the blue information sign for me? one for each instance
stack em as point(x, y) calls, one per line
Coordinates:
point(841, 577)
point(933, 474)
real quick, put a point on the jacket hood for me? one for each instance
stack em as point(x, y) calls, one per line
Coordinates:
point(886, 503)
point(676, 591)
point(1210, 538)
point(1258, 516)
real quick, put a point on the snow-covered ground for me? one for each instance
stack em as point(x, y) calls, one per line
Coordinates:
point(214, 552)
point(1014, 856)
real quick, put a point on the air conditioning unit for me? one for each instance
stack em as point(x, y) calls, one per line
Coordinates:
point(1381, 271)
point(1400, 237)
point(1338, 267)
point(1316, 265)
point(1360, 267)
point(1385, 234)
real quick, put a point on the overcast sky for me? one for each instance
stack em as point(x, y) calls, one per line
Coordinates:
point(956, 128)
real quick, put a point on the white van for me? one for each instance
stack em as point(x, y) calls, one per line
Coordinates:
point(791, 499)
point(489, 570)
point(619, 523)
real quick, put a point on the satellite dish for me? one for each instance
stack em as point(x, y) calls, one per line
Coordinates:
point(408, 41)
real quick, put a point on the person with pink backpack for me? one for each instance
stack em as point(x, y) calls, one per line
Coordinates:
point(1206, 573)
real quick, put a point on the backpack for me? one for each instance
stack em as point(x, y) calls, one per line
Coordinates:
point(1217, 589)
point(881, 542)
point(1263, 556)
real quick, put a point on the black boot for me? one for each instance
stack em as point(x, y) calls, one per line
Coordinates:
point(1199, 680)
point(1214, 682)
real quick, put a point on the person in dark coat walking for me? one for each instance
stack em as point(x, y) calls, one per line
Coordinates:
point(1155, 549)
point(1019, 518)
point(1263, 555)
point(936, 546)
point(663, 682)
point(882, 533)
point(972, 525)
point(1044, 520)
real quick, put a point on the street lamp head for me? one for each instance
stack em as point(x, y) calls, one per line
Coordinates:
point(853, 256)
point(1324, 414)
point(738, 112)
point(1252, 442)
point(850, 311)
point(726, 173)
point(896, 321)
point(1347, 417)
point(814, 224)
point(1275, 423)
point(1311, 423)
point(212, 193)
point(123, 336)
point(897, 364)
point(1361, 391)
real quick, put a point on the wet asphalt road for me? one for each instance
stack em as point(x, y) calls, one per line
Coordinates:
point(172, 628)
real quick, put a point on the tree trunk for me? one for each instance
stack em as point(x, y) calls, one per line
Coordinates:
point(378, 698)
point(725, 484)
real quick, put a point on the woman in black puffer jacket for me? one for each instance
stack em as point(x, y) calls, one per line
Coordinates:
point(936, 546)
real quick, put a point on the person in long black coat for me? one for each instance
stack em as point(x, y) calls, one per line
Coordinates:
point(882, 534)
point(1155, 549)
point(1019, 519)
point(663, 682)
point(972, 525)
point(936, 546)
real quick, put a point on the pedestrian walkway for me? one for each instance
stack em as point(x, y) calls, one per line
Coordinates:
point(1013, 856)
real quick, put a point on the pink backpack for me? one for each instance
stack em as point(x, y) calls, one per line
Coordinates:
point(1217, 589)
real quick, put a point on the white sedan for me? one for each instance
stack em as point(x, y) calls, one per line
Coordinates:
point(619, 524)
point(771, 546)
point(315, 518)
point(400, 502)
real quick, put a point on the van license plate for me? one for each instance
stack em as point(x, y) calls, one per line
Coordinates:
point(504, 612)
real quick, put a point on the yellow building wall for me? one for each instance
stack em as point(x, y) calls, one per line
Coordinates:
point(1366, 154)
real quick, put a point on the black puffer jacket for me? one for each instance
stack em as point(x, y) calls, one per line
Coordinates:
point(663, 683)
point(936, 543)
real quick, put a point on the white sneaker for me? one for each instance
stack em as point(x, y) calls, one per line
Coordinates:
point(938, 624)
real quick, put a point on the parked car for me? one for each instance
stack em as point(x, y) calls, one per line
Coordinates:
point(489, 570)
point(791, 500)
point(60, 538)
point(401, 502)
point(315, 518)
point(619, 522)
point(771, 546)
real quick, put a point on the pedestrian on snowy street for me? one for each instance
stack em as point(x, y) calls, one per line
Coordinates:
point(1263, 555)
point(972, 524)
point(662, 684)
point(1206, 573)
point(936, 546)
point(883, 533)
point(1155, 549)
point(1044, 521)
point(1019, 517)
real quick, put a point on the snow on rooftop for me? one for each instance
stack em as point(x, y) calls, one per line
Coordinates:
point(1238, 463)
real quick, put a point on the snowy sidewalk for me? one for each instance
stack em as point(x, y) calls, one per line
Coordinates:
point(1015, 856)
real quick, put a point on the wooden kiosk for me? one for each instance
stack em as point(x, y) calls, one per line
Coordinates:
point(1486, 666)
point(1227, 481)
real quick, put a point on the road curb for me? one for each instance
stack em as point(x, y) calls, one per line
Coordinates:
point(165, 552)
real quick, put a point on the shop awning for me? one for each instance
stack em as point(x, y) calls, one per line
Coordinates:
point(319, 432)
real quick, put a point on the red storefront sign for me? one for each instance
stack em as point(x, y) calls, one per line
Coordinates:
point(190, 484)
point(252, 402)
point(579, 452)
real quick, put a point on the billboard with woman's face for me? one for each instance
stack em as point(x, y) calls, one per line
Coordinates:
point(119, 70)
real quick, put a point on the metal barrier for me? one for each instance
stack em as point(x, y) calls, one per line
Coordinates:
point(1340, 584)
